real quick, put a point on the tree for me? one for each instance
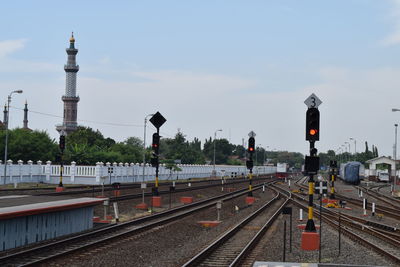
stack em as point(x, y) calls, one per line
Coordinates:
point(178, 148)
point(86, 135)
point(131, 150)
point(376, 152)
point(223, 149)
point(28, 145)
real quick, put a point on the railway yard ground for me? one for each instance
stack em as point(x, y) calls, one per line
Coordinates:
point(171, 235)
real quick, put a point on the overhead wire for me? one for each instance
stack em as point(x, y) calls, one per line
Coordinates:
point(96, 122)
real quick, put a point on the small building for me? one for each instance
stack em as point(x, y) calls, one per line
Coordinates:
point(372, 172)
point(31, 219)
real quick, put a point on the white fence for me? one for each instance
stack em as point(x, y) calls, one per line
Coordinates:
point(122, 172)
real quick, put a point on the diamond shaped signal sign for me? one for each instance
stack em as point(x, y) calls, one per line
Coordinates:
point(157, 120)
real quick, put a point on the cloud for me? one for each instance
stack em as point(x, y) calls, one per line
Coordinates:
point(10, 46)
point(394, 37)
point(356, 103)
point(10, 65)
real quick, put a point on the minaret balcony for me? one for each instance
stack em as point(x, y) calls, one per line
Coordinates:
point(70, 98)
point(71, 68)
point(71, 51)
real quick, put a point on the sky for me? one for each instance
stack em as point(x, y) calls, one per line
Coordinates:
point(239, 66)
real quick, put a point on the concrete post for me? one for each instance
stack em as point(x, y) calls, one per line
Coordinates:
point(9, 164)
point(73, 171)
point(40, 178)
point(48, 170)
point(127, 171)
point(98, 171)
point(131, 171)
point(30, 163)
point(20, 163)
point(115, 165)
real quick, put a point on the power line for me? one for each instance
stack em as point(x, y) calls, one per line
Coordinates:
point(98, 122)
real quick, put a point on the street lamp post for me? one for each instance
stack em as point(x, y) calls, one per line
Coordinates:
point(259, 145)
point(215, 137)
point(344, 149)
point(395, 151)
point(265, 155)
point(6, 141)
point(355, 145)
point(144, 144)
point(395, 157)
point(349, 147)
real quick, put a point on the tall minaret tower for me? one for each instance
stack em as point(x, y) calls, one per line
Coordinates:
point(26, 116)
point(70, 99)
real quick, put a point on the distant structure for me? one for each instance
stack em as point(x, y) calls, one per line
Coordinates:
point(3, 123)
point(70, 99)
point(25, 127)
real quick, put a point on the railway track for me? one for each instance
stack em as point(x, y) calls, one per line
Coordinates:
point(382, 242)
point(178, 190)
point(390, 212)
point(63, 247)
point(91, 189)
point(235, 245)
point(381, 197)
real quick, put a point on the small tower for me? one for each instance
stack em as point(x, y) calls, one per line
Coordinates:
point(3, 123)
point(5, 115)
point(70, 98)
point(26, 116)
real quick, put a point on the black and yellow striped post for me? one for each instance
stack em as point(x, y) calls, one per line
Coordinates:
point(310, 237)
point(251, 149)
point(333, 165)
point(310, 226)
point(60, 186)
point(157, 120)
point(332, 195)
point(310, 222)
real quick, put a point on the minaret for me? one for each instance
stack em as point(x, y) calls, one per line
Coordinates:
point(70, 99)
point(5, 115)
point(26, 116)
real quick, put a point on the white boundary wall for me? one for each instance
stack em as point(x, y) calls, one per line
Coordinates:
point(122, 172)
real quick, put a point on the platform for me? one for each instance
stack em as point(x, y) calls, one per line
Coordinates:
point(29, 219)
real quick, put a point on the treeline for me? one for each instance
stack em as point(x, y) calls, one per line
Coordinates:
point(362, 157)
point(87, 146)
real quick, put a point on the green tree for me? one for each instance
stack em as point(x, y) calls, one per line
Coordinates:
point(90, 137)
point(131, 150)
point(223, 149)
point(28, 145)
point(178, 148)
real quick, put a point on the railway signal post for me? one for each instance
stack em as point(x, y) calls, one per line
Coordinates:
point(60, 186)
point(310, 237)
point(333, 165)
point(157, 120)
point(249, 164)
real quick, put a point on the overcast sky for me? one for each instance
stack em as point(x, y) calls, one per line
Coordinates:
point(207, 65)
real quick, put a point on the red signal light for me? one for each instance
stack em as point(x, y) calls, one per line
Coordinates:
point(251, 149)
point(313, 131)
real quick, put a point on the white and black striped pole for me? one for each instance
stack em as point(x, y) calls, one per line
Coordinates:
point(373, 209)
point(365, 203)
